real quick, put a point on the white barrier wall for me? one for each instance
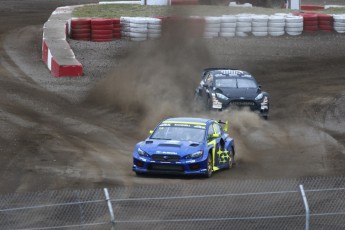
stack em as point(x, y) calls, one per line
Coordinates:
point(157, 2)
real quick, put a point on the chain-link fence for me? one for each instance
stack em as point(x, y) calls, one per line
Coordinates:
point(256, 204)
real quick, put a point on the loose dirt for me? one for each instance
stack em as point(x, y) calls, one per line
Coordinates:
point(80, 132)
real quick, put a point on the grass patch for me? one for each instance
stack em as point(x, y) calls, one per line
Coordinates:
point(118, 10)
point(335, 10)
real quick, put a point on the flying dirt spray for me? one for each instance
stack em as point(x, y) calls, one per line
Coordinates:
point(157, 78)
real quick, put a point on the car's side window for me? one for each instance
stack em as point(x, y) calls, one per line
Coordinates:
point(217, 128)
point(210, 132)
point(209, 80)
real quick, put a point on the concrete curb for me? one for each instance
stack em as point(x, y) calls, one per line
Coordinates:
point(56, 52)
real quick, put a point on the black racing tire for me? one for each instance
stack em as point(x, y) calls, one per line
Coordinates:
point(198, 105)
point(208, 105)
point(139, 174)
point(231, 159)
point(209, 166)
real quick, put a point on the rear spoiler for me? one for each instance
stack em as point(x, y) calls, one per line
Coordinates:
point(226, 125)
point(204, 71)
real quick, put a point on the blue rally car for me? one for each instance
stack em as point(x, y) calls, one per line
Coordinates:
point(188, 146)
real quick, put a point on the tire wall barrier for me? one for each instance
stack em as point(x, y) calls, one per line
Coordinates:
point(225, 26)
point(61, 61)
point(56, 52)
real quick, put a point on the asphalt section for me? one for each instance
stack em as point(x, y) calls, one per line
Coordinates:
point(79, 132)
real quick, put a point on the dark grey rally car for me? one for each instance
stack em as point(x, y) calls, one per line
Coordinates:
point(221, 88)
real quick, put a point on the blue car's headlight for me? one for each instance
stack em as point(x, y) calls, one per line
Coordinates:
point(259, 97)
point(221, 96)
point(142, 153)
point(194, 155)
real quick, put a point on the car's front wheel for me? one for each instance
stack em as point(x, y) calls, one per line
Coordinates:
point(198, 105)
point(231, 159)
point(139, 174)
point(209, 166)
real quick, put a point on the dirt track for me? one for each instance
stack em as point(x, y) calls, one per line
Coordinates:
point(74, 133)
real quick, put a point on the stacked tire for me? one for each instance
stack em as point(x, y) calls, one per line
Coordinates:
point(228, 26)
point(134, 28)
point(276, 25)
point(294, 25)
point(116, 28)
point(339, 23)
point(154, 28)
point(102, 29)
point(325, 22)
point(212, 27)
point(81, 29)
point(260, 25)
point(243, 25)
point(310, 22)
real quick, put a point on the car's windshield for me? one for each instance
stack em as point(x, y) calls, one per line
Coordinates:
point(235, 83)
point(226, 83)
point(179, 133)
point(246, 83)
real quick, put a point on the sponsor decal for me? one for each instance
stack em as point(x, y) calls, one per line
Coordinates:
point(223, 156)
point(191, 161)
point(167, 153)
point(216, 104)
point(231, 72)
point(196, 126)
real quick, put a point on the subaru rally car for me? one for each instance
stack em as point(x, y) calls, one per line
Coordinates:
point(188, 146)
point(221, 88)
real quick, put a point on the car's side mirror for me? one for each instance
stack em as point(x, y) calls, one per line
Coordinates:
point(259, 89)
point(215, 135)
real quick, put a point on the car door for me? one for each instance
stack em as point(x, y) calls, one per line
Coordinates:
point(222, 154)
point(214, 143)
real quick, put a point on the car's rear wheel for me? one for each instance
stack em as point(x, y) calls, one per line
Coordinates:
point(231, 159)
point(209, 166)
point(208, 104)
point(138, 174)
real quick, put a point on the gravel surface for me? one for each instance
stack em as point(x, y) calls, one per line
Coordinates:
point(79, 132)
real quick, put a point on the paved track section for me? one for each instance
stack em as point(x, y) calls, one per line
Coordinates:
point(79, 132)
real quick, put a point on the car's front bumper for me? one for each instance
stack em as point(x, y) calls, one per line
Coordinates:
point(192, 167)
point(258, 106)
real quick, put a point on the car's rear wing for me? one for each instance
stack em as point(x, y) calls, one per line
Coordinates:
point(204, 71)
point(225, 125)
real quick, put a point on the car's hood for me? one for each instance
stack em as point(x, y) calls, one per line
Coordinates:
point(240, 93)
point(170, 147)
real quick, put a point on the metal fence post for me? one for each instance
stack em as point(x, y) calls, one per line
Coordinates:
point(110, 207)
point(306, 206)
point(82, 221)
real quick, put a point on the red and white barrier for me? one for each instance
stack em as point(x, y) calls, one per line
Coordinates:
point(56, 52)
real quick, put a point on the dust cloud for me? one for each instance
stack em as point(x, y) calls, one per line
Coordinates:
point(157, 78)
